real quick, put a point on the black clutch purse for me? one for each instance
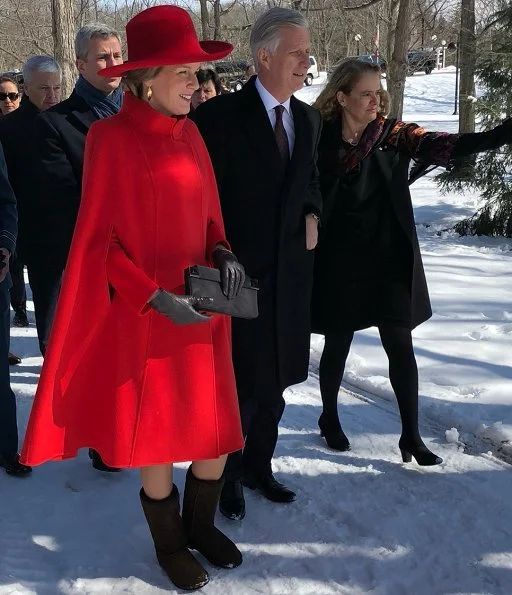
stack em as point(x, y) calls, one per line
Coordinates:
point(205, 282)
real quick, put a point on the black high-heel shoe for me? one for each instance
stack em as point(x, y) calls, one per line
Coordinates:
point(420, 452)
point(333, 434)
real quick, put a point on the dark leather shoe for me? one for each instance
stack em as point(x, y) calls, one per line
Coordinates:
point(14, 359)
point(11, 464)
point(232, 501)
point(269, 487)
point(98, 463)
point(20, 318)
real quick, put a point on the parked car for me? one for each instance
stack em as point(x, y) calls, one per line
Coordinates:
point(313, 72)
point(370, 58)
point(232, 73)
point(421, 61)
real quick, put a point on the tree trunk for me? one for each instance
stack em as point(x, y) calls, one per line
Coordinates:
point(216, 19)
point(63, 32)
point(391, 16)
point(205, 20)
point(397, 66)
point(467, 66)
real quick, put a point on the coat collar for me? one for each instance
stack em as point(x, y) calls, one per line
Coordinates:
point(78, 109)
point(147, 118)
point(27, 107)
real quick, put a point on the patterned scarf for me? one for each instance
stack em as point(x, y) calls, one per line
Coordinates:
point(102, 105)
point(429, 147)
point(352, 157)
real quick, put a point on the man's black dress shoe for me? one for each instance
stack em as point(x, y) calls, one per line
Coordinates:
point(269, 487)
point(11, 464)
point(98, 463)
point(232, 501)
point(20, 318)
point(14, 359)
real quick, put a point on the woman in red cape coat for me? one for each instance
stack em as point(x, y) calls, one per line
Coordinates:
point(118, 376)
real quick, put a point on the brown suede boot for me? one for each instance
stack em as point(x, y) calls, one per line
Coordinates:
point(200, 501)
point(170, 539)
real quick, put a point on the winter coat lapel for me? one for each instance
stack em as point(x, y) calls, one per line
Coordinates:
point(303, 146)
point(81, 116)
point(304, 141)
point(259, 129)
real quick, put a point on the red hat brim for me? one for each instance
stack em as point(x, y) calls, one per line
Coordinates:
point(211, 51)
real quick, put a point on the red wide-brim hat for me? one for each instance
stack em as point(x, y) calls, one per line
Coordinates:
point(162, 36)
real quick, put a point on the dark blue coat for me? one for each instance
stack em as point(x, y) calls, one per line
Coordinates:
point(8, 214)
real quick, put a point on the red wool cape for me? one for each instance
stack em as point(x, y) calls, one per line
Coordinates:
point(119, 377)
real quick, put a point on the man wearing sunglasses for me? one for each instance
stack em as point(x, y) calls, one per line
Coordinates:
point(9, 95)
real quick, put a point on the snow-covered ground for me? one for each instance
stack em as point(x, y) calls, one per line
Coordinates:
point(363, 522)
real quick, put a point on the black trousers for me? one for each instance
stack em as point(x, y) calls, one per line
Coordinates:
point(260, 414)
point(8, 424)
point(45, 278)
point(18, 291)
point(260, 395)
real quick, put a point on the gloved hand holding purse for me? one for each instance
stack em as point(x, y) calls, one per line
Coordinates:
point(181, 309)
point(232, 273)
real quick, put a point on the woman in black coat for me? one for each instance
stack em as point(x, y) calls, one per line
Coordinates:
point(368, 269)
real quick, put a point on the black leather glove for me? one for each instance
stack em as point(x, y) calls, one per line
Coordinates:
point(181, 309)
point(232, 273)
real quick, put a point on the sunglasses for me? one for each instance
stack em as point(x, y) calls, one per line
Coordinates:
point(11, 96)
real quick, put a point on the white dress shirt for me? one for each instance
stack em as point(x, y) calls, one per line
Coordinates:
point(270, 102)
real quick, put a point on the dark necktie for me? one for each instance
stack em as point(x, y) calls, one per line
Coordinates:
point(281, 136)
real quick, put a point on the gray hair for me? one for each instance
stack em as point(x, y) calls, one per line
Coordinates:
point(92, 31)
point(40, 64)
point(265, 33)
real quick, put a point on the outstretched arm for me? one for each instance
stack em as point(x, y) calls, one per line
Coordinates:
point(439, 148)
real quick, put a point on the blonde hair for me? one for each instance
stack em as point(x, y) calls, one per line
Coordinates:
point(133, 80)
point(345, 78)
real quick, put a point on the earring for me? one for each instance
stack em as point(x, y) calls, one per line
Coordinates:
point(149, 93)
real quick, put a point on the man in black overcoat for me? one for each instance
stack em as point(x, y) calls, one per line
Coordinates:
point(42, 88)
point(60, 136)
point(60, 133)
point(263, 145)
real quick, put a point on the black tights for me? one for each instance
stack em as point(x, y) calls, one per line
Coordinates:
point(403, 375)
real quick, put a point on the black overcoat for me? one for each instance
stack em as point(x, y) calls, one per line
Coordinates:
point(8, 213)
point(60, 135)
point(264, 207)
point(22, 159)
point(391, 166)
point(390, 161)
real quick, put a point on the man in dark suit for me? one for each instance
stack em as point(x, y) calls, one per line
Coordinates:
point(263, 144)
point(42, 84)
point(61, 133)
point(9, 458)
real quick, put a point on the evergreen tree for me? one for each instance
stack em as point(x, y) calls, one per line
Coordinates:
point(491, 172)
